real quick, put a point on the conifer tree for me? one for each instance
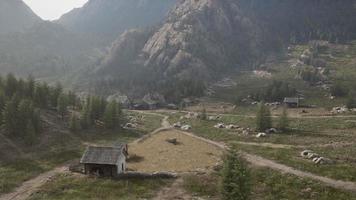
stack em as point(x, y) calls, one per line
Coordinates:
point(111, 118)
point(73, 123)
point(263, 118)
point(236, 180)
point(10, 85)
point(283, 120)
point(10, 118)
point(55, 94)
point(25, 115)
point(62, 105)
point(30, 87)
point(351, 102)
point(85, 119)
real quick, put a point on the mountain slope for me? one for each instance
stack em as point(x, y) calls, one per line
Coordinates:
point(201, 40)
point(109, 18)
point(15, 16)
point(46, 50)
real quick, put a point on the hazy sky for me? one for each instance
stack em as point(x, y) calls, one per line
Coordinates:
point(53, 9)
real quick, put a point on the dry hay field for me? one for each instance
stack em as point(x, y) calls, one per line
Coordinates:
point(156, 154)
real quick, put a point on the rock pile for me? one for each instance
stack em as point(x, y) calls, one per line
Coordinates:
point(308, 154)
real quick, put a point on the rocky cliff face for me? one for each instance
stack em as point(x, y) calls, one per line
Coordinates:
point(198, 40)
point(107, 19)
point(15, 16)
point(203, 39)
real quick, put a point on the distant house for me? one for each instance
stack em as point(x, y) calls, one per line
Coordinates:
point(291, 102)
point(105, 161)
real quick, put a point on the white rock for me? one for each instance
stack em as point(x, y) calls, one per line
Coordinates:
point(186, 127)
point(220, 125)
point(259, 135)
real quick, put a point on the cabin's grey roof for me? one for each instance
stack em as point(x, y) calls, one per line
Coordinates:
point(291, 100)
point(102, 155)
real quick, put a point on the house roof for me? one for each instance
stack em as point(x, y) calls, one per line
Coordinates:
point(291, 100)
point(102, 155)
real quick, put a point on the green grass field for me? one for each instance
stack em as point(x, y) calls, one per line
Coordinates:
point(73, 187)
point(268, 185)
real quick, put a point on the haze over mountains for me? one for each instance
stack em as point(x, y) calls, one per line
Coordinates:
point(177, 54)
point(15, 16)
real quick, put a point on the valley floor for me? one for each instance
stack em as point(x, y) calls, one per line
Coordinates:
point(278, 171)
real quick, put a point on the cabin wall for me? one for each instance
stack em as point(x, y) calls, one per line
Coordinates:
point(101, 170)
point(121, 165)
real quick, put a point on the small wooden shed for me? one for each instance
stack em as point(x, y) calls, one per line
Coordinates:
point(105, 161)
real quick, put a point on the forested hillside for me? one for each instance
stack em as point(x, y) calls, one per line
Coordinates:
point(29, 109)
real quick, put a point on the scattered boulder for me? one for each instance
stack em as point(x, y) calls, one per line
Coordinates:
point(308, 154)
point(186, 128)
point(172, 141)
point(271, 131)
point(232, 126)
point(220, 125)
point(305, 153)
point(259, 135)
point(339, 110)
point(177, 125)
point(129, 125)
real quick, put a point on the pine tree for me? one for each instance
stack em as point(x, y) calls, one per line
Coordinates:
point(85, 119)
point(263, 118)
point(25, 111)
point(351, 102)
point(10, 85)
point(36, 120)
point(62, 105)
point(111, 118)
point(2, 105)
point(236, 180)
point(73, 123)
point(10, 118)
point(30, 87)
point(283, 120)
point(55, 94)
point(41, 96)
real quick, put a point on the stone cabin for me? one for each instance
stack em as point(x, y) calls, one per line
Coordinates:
point(105, 161)
point(291, 102)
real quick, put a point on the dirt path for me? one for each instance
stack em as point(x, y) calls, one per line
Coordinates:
point(270, 145)
point(31, 186)
point(173, 191)
point(262, 162)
